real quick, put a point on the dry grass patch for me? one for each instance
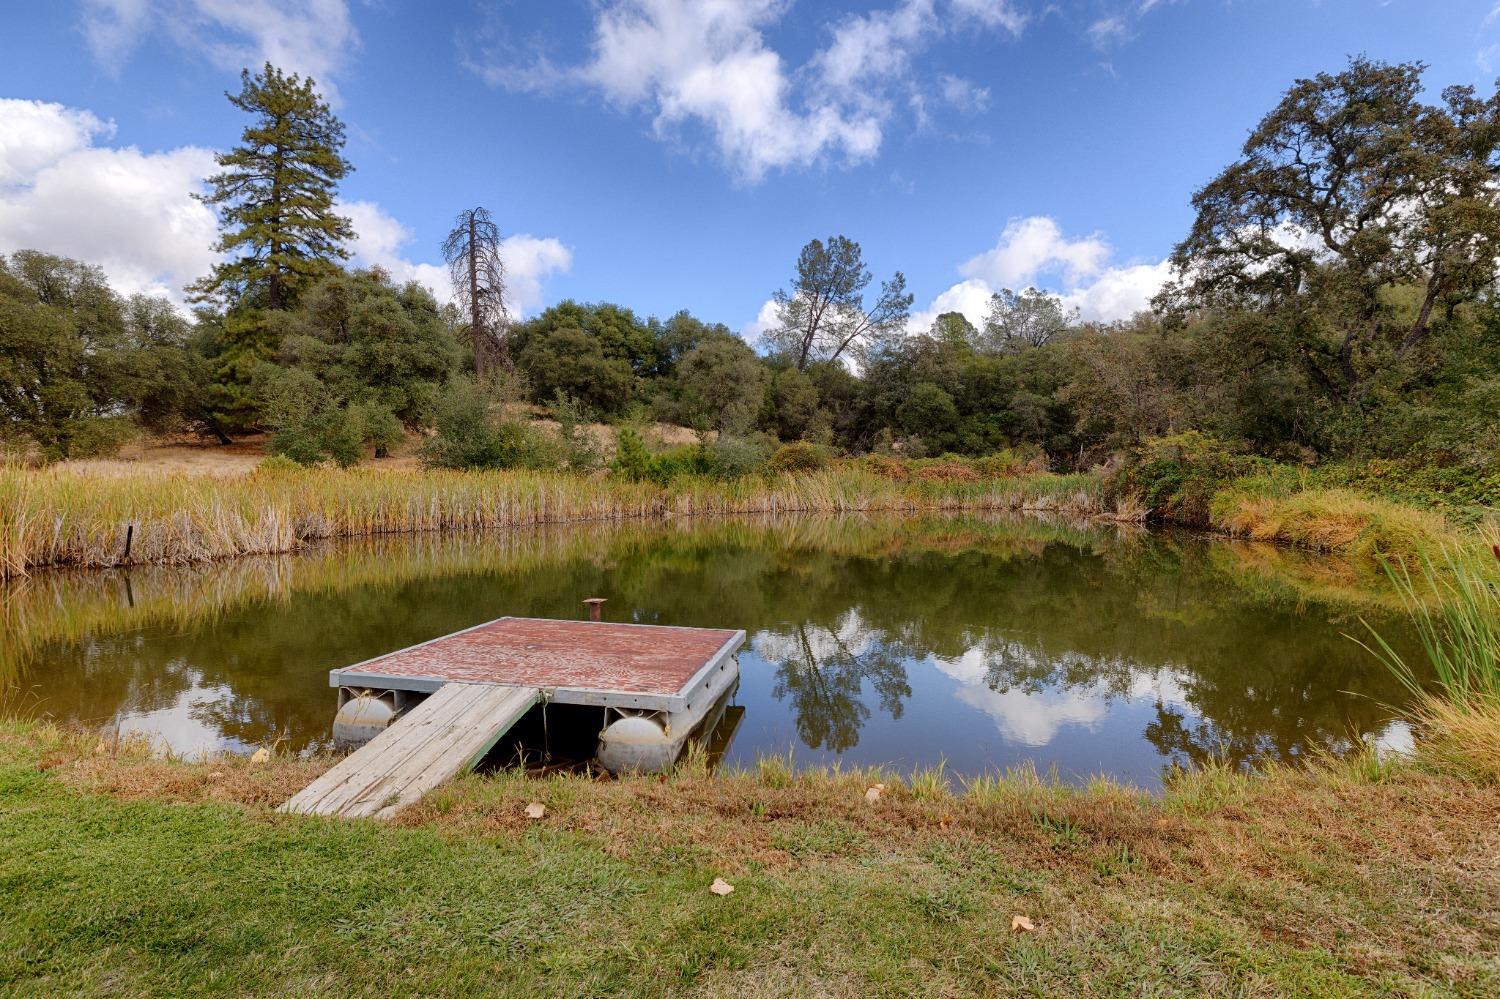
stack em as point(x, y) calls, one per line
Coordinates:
point(1333, 520)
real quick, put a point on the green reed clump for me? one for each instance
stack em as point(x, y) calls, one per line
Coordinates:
point(1455, 603)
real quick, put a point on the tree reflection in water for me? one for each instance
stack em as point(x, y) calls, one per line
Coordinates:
point(1040, 633)
point(823, 671)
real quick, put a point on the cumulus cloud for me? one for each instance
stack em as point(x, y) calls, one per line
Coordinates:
point(1119, 292)
point(764, 322)
point(133, 212)
point(971, 298)
point(130, 212)
point(1034, 251)
point(311, 37)
point(529, 260)
point(709, 64)
point(34, 134)
point(695, 65)
point(1029, 246)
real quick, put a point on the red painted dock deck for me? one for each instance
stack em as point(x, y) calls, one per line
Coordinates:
point(580, 662)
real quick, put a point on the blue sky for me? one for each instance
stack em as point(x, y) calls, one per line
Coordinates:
point(670, 154)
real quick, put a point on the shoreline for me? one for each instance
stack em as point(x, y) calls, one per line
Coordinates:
point(1353, 877)
point(51, 518)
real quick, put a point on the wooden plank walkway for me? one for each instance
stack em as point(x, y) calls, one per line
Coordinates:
point(449, 732)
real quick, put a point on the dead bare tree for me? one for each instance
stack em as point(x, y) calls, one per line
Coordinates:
point(472, 251)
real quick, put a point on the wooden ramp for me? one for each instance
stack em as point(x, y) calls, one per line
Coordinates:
point(448, 733)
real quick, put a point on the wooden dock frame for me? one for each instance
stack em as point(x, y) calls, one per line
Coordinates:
point(446, 734)
point(466, 712)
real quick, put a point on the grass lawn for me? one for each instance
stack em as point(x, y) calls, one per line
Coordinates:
point(128, 875)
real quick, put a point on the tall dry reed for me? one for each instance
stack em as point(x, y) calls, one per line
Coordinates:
point(57, 517)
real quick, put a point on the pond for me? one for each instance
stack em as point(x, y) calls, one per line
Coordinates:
point(980, 643)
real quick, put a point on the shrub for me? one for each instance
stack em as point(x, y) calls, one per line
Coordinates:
point(1000, 465)
point(632, 460)
point(884, 466)
point(679, 463)
point(798, 456)
point(300, 442)
point(276, 464)
point(580, 448)
point(468, 436)
point(732, 457)
point(1177, 476)
point(944, 470)
point(382, 430)
point(344, 437)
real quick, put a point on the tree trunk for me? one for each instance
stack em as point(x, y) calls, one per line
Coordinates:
point(476, 327)
point(216, 429)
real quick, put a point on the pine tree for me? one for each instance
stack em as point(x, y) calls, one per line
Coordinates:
point(275, 194)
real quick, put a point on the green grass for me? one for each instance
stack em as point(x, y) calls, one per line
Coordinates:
point(125, 875)
point(1455, 602)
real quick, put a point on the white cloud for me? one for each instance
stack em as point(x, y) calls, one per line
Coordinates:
point(311, 37)
point(529, 260)
point(1119, 292)
point(128, 211)
point(875, 46)
point(1031, 246)
point(706, 64)
point(133, 212)
point(34, 135)
point(992, 14)
point(764, 321)
point(1030, 250)
point(963, 94)
point(1108, 32)
point(971, 298)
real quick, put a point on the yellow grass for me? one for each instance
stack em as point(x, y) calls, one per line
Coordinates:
point(1339, 520)
point(1465, 737)
point(57, 516)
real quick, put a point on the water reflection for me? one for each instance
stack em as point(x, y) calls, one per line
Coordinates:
point(823, 672)
point(984, 643)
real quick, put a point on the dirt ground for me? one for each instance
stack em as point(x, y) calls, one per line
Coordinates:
point(196, 455)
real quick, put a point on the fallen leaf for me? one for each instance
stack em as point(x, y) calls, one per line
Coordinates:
point(874, 792)
point(536, 810)
point(721, 887)
point(1020, 924)
point(945, 821)
point(261, 755)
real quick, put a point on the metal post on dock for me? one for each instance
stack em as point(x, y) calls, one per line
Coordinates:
point(596, 608)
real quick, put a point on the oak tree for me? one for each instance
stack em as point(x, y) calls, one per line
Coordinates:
point(1350, 194)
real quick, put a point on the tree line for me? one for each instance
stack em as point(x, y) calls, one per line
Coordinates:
point(1334, 298)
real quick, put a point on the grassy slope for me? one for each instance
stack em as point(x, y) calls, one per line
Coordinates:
point(127, 875)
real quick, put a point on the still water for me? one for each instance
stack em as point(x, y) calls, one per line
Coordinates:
point(980, 643)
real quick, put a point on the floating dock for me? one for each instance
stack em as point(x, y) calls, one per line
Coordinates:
point(435, 709)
